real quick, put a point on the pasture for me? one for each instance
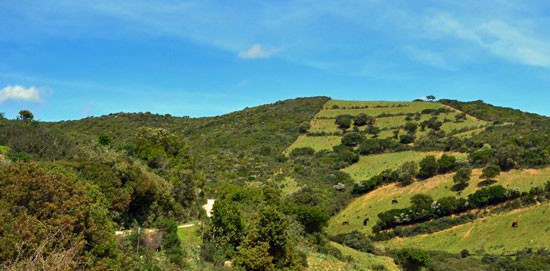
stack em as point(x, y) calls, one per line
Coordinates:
point(316, 142)
point(380, 200)
point(493, 234)
point(371, 165)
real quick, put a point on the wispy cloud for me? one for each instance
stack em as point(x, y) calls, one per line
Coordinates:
point(257, 51)
point(337, 35)
point(427, 57)
point(21, 93)
point(242, 83)
point(517, 44)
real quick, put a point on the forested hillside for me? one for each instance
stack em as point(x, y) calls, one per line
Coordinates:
point(240, 146)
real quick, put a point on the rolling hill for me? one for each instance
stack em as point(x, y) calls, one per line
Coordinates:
point(295, 163)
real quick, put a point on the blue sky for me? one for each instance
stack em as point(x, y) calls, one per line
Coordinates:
point(66, 59)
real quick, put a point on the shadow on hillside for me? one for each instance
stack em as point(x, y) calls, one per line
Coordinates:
point(459, 187)
point(486, 183)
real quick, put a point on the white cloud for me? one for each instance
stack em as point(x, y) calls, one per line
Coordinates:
point(17, 92)
point(256, 51)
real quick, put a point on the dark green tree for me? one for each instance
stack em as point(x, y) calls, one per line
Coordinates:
point(422, 201)
point(412, 259)
point(406, 139)
point(462, 177)
point(428, 167)
point(25, 115)
point(343, 121)
point(313, 218)
point(490, 172)
point(352, 139)
point(360, 120)
point(446, 163)
point(105, 139)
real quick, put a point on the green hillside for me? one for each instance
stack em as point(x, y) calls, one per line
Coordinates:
point(293, 182)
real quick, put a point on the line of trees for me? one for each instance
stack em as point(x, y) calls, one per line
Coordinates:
point(424, 208)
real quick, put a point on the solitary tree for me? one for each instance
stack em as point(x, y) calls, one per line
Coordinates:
point(25, 115)
point(462, 177)
point(430, 98)
point(343, 121)
point(490, 172)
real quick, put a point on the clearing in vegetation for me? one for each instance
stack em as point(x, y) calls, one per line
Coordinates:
point(316, 142)
point(380, 200)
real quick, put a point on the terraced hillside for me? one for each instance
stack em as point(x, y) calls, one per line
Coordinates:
point(390, 117)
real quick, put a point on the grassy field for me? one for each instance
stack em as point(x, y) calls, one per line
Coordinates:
point(361, 261)
point(371, 204)
point(371, 165)
point(493, 234)
point(372, 110)
point(316, 142)
point(190, 236)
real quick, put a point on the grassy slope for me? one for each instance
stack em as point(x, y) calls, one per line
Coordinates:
point(493, 234)
point(371, 204)
point(371, 165)
point(361, 261)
